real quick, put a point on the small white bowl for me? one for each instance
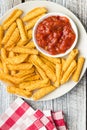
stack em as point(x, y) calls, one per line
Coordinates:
point(74, 27)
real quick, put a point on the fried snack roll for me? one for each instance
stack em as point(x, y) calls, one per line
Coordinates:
point(58, 74)
point(43, 92)
point(30, 34)
point(17, 59)
point(9, 33)
point(30, 45)
point(22, 30)
point(3, 57)
point(22, 43)
point(63, 62)
point(10, 78)
point(23, 66)
point(22, 73)
point(78, 70)
point(24, 84)
point(21, 92)
point(1, 35)
point(34, 13)
point(37, 85)
point(68, 72)
point(53, 60)
point(70, 58)
point(1, 66)
point(15, 14)
point(47, 69)
point(11, 55)
point(13, 39)
point(50, 64)
point(25, 50)
point(40, 71)
point(10, 47)
point(32, 22)
point(26, 77)
point(37, 73)
point(33, 78)
point(3, 54)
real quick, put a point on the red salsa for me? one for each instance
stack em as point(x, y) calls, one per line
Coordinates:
point(55, 34)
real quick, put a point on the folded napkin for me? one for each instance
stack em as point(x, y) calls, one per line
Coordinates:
point(21, 116)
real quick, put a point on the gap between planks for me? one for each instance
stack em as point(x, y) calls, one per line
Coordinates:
point(22, 1)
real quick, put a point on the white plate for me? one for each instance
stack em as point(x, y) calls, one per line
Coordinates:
point(81, 45)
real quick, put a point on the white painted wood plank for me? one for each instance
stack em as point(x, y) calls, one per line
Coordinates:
point(5, 5)
point(16, 2)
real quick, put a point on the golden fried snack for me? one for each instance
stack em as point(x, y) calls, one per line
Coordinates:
point(9, 48)
point(22, 43)
point(5, 69)
point(21, 28)
point(34, 13)
point(25, 50)
point(40, 71)
point(50, 64)
point(23, 73)
point(26, 77)
point(24, 84)
point(53, 60)
point(78, 70)
point(15, 14)
point(58, 74)
point(3, 54)
point(68, 72)
point(37, 73)
point(33, 78)
point(17, 59)
point(13, 39)
point(1, 66)
point(30, 44)
point(21, 92)
point(32, 22)
point(9, 33)
point(7, 77)
point(1, 35)
point(47, 69)
point(37, 85)
point(11, 55)
point(43, 92)
point(70, 58)
point(30, 34)
point(23, 66)
point(63, 62)
point(3, 57)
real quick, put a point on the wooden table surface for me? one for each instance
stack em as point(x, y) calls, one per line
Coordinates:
point(74, 102)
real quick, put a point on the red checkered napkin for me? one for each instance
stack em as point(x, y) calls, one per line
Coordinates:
point(15, 114)
point(57, 118)
point(20, 116)
point(39, 116)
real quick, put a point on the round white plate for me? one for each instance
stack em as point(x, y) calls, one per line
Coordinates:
point(81, 45)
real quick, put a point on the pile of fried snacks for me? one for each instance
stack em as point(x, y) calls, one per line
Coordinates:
point(28, 72)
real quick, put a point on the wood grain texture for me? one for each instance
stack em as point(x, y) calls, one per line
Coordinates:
point(73, 103)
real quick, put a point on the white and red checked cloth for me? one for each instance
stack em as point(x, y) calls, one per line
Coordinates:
point(21, 116)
